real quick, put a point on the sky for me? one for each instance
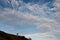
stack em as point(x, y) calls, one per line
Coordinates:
point(35, 19)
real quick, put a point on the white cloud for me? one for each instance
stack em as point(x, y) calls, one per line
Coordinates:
point(12, 16)
point(44, 26)
point(42, 35)
point(17, 17)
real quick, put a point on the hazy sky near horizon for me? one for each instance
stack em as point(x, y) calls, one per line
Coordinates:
point(38, 19)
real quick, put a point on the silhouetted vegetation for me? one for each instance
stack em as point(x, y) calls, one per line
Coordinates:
point(6, 36)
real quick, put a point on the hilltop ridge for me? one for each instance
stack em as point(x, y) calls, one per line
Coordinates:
point(6, 36)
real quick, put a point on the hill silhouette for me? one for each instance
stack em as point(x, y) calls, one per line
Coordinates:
point(6, 36)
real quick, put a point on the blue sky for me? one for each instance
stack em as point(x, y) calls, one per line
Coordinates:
point(37, 19)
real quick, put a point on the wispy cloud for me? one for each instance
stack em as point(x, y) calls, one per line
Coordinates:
point(38, 15)
point(41, 16)
point(43, 35)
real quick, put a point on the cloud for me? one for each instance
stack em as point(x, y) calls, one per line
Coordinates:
point(44, 26)
point(16, 15)
point(43, 17)
point(38, 15)
point(42, 35)
point(57, 4)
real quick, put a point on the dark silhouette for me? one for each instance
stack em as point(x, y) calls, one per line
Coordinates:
point(6, 36)
point(30, 39)
point(17, 34)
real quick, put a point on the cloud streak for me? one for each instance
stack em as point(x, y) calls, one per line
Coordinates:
point(42, 35)
point(41, 16)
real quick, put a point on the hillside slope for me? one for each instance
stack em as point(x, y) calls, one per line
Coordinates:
point(6, 36)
